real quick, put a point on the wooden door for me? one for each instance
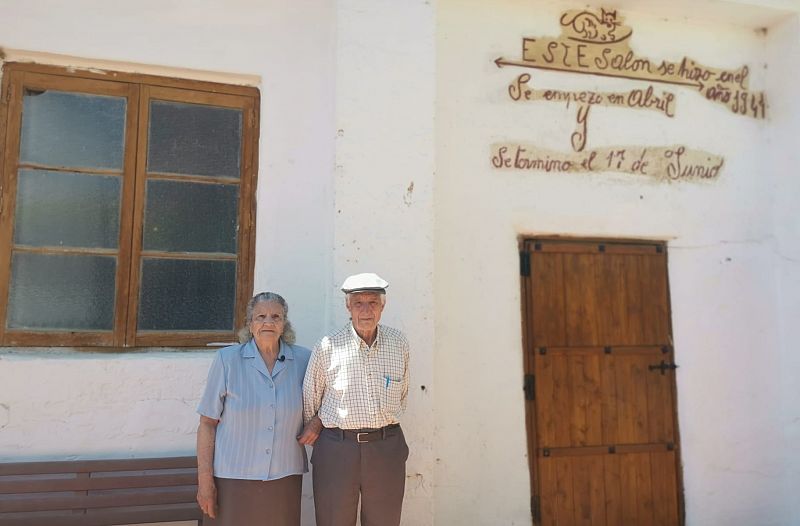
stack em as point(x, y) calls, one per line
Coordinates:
point(600, 385)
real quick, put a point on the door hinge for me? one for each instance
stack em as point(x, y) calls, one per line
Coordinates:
point(536, 508)
point(530, 387)
point(524, 264)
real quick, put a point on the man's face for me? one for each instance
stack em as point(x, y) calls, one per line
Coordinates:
point(365, 311)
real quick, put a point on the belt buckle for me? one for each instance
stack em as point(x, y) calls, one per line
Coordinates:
point(358, 438)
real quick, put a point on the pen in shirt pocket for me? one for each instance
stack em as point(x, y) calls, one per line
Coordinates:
point(387, 381)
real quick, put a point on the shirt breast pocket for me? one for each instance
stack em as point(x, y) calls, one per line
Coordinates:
point(391, 394)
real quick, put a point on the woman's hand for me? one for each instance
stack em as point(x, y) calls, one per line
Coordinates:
point(311, 432)
point(207, 497)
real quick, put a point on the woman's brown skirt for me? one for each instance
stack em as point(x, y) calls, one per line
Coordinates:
point(257, 502)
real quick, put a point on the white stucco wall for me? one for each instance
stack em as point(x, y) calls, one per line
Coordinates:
point(783, 44)
point(384, 194)
point(738, 460)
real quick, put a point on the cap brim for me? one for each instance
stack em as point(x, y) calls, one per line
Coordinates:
point(365, 289)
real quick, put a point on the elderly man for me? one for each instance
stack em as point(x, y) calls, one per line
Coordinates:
point(354, 391)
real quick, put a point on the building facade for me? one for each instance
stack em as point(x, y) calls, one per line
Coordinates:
point(436, 142)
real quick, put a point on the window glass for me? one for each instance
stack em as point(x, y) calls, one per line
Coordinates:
point(72, 130)
point(61, 292)
point(185, 294)
point(191, 217)
point(194, 139)
point(66, 209)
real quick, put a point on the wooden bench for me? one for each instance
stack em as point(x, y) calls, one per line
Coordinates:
point(99, 492)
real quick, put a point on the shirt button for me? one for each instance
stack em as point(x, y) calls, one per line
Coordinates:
point(272, 406)
point(271, 386)
point(269, 451)
point(269, 428)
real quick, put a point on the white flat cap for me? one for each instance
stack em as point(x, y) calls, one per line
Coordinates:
point(366, 282)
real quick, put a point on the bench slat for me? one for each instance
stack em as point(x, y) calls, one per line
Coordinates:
point(96, 466)
point(141, 497)
point(78, 484)
point(185, 512)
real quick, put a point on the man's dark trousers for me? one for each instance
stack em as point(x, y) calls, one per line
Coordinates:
point(343, 468)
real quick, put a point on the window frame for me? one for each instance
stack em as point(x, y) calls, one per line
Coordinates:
point(139, 90)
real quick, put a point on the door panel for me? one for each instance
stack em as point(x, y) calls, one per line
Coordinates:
point(593, 396)
point(602, 418)
point(583, 312)
point(665, 492)
point(655, 304)
point(548, 301)
point(609, 490)
point(570, 388)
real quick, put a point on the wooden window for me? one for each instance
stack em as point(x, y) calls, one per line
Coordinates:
point(127, 208)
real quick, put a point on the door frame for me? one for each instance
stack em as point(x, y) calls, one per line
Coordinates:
point(526, 244)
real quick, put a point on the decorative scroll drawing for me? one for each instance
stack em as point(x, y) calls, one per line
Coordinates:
point(598, 44)
point(593, 28)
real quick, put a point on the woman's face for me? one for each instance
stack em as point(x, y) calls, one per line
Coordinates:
point(268, 321)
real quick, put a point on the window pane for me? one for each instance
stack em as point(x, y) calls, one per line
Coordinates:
point(72, 129)
point(194, 139)
point(71, 292)
point(187, 295)
point(67, 209)
point(191, 217)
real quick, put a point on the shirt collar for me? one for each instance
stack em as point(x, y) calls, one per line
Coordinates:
point(249, 350)
point(286, 350)
point(358, 339)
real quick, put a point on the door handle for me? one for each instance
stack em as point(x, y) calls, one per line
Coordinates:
point(663, 366)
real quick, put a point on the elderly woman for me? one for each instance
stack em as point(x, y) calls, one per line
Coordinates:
point(250, 465)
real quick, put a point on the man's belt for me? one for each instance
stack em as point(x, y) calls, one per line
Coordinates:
point(363, 436)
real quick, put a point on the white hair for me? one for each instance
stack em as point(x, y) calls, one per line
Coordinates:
point(263, 297)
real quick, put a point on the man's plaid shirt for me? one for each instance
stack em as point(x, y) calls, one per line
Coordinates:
point(353, 386)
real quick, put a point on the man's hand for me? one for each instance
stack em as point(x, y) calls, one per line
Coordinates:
point(207, 497)
point(311, 432)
